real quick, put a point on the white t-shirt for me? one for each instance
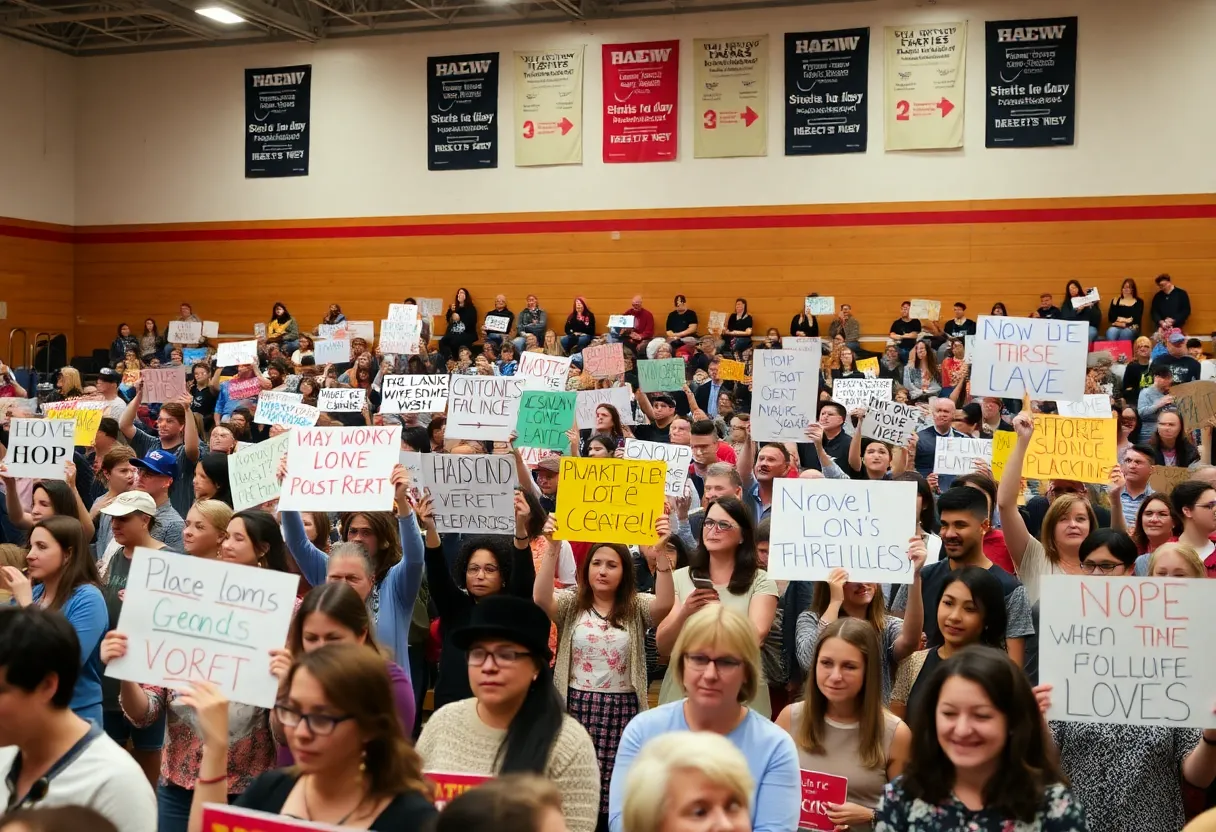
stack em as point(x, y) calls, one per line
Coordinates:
point(105, 778)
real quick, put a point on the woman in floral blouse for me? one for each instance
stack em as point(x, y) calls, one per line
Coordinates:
point(600, 669)
point(981, 760)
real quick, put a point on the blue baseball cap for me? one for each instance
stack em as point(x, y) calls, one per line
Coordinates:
point(158, 462)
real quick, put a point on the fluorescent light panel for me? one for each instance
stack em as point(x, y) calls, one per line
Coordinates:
point(220, 15)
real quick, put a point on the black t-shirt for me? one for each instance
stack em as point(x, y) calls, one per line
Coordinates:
point(1182, 367)
point(957, 330)
point(653, 433)
point(738, 324)
point(680, 321)
point(269, 791)
point(203, 400)
point(804, 326)
point(1049, 312)
point(933, 581)
point(907, 330)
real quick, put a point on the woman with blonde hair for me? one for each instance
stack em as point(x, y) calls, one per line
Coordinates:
point(841, 727)
point(552, 346)
point(716, 662)
point(68, 385)
point(1176, 560)
point(206, 527)
point(676, 776)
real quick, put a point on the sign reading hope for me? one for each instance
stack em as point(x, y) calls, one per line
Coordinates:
point(610, 500)
point(1128, 650)
point(340, 469)
point(38, 448)
point(1043, 358)
point(192, 619)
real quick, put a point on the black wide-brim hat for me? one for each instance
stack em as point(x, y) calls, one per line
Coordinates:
point(508, 618)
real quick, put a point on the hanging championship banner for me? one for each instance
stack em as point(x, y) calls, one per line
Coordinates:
point(462, 112)
point(1032, 82)
point(276, 121)
point(641, 89)
point(730, 77)
point(826, 86)
point(549, 107)
point(926, 73)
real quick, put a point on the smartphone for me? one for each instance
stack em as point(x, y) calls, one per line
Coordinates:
point(702, 583)
point(620, 443)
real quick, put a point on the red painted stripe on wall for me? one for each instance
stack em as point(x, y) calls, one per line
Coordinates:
point(636, 224)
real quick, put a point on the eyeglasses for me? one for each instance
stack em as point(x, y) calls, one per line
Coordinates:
point(722, 663)
point(720, 525)
point(1089, 567)
point(320, 724)
point(487, 570)
point(502, 658)
point(1208, 506)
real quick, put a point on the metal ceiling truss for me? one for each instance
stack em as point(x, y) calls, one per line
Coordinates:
point(96, 27)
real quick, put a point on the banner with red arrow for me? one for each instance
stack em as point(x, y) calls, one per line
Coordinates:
point(925, 80)
point(730, 100)
point(549, 107)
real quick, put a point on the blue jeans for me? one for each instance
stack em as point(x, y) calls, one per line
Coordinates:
point(1116, 333)
point(569, 342)
point(173, 807)
point(1093, 334)
point(613, 335)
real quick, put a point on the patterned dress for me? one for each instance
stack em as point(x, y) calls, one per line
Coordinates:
point(1060, 811)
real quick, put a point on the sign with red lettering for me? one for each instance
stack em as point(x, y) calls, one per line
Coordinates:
point(641, 89)
point(195, 619)
point(217, 818)
point(449, 786)
point(340, 469)
point(1129, 651)
point(1041, 357)
point(819, 789)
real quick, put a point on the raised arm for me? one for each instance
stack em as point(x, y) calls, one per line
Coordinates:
point(405, 578)
point(746, 460)
point(126, 422)
point(542, 587)
point(644, 404)
point(192, 438)
point(914, 613)
point(855, 442)
point(313, 563)
point(82, 511)
point(16, 511)
point(1017, 536)
point(1118, 522)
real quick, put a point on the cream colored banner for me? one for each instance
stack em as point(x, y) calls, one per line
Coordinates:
point(730, 81)
point(926, 74)
point(549, 107)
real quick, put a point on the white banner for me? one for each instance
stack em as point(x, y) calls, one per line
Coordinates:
point(549, 107)
point(399, 338)
point(472, 493)
point(1044, 358)
point(286, 409)
point(235, 353)
point(958, 454)
point(187, 333)
point(331, 351)
point(862, 526)
point(786, 385)
point(677, 457)
point(730, 97)
point(926, 73)
point(890, 422)
point(413, 394)
point(1093, 406)
point(340, 469)
point(483, 407)
point(859, 392)
point(801, 343)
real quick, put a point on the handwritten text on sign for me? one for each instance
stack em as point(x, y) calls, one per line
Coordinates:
point(483, 407)
point(253, 472)
point(188, 619)
point(589, 400)
point(1196, 403)
point(1128, 650)
point(818, 790)
point(449, 786)
point(38, 448)
point(473, 493)
point(413, 394)
point(164, 385)
point(604, 361)
point(861, 526)
point(1044, 358)
point(1068, 448)
point(341, 399)
point(661, 374)
point(676, 457)
point(543, 372)
point(285, 409)
point(958, 454)
point(610, 500)
point(890, 422)
point(853, 393)
point(544, 418)
point(786, 384)
point(340, 469)
point(87, 416)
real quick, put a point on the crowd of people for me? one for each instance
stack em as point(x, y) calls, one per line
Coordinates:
point(670, 687)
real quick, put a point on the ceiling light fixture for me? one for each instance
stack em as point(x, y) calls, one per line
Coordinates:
point(220, 15)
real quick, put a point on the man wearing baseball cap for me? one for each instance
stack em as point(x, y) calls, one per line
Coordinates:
point(1183, 368)
point(107, 386)
point(660, 409)
point(176, 434)
point(154, 475)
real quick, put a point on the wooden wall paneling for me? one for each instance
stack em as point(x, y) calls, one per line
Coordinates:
point(37, 284)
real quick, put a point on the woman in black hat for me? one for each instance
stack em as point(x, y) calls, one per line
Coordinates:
point(515, 720)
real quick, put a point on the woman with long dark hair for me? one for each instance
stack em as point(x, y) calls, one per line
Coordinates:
point(462, 325)
point(737, 334)
point(920, 374)
point(1090, 315)
point(123, 341)
point(211, 478)
point(49, 498)
point(980, 759)
point(724, 569)
point(1126, 313)
point(580, 327)
point(282, 329)
point(514, 722)
point(1170, 443)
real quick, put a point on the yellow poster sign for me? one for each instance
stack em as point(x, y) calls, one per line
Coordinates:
point(87, 423)
point(732, 370)
point(925, 86)
point(730, 81)
point(1071, 448)
point(549, 107)
point(869, 366)
point(610, 500)
point(1002, 445)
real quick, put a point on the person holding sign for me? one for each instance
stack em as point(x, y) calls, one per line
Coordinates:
point(580, 327)
point(600, 670)
point(685, 782)
point(462, 325)
point(1089, 313)
point(515, 721)
point(980, 759)
point(717, 662)
point(49, 498)
point(869, 457)
point(842, 728)
point(354, 767)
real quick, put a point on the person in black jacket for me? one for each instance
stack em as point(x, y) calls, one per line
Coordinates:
point(1171, 304)
point(580, 327)
point(462, 325)
point(1090, 314)
point(124, 343)
point(1126, 313)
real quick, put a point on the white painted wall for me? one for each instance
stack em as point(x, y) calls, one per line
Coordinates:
point(161, 134)
point(37, 133)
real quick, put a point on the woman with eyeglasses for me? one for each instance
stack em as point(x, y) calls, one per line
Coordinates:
point(514, 722)
point(354, 767)
point(1107, 552)
point(717, 663)
point(722, 570)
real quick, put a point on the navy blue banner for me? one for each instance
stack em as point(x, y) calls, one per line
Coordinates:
point(826, 87)
point(277, 102)
point(462, 111)
point(1032, 82)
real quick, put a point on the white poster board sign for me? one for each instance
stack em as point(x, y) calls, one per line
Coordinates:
point(860, 525)
point(1088, 299)
point(785, 386)
point(253, 472)
point(333, 330)
point(820, 306)
point(211, 329)
point(413, 394)
point(286, 409)
point(543, 372)
point(925, 310)
point(958, 454)
point(800, 343)
point(399, 337)
point(588, 400)
point(235, 353)
point(1093, 406)
point(497, 323)
point(406, 313)
point(472, 493)
point(185, 332)
point(163, 384)
point(620, 321)
point(362, 329)
point(430, 307)
point(412, 460)
point(1128, 651)
point(197, 619)
point(860, 392)
point(331, 351)
point(38, 448)
point(340, 469)
point(341, 399)
point(890, 422)
point(1044, 358)
point(483, 407)
point(677, 457)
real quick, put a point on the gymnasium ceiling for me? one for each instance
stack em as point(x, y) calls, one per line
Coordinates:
point(90, 27)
